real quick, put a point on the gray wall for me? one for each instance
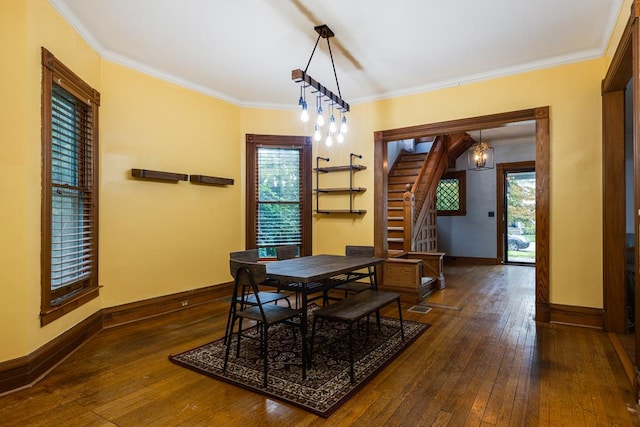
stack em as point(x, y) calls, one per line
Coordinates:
point(474, 235)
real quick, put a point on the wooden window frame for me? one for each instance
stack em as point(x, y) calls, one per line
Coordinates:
point(56, 303)
point(461, 176)
point(254, 141)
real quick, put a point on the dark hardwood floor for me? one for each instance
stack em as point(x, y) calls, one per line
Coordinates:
point(483, 362)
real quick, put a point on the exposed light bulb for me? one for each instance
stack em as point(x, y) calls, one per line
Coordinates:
point(329, 140)
point(320, 120)
point(332, 124)
point(317, 136)
point(343, 125)
point(340, 138)
point(304, 116)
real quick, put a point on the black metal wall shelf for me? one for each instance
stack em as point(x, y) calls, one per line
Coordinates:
point(351, 168)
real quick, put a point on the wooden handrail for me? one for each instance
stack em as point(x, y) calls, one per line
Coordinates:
point(422, 191)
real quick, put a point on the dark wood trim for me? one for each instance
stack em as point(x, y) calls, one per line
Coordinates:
point(501, 170)
point(380, 197)
point(613, 210)
point(470, 260)
point(577, 316)
point(140, 310)
point(24, 371)
point(52, 306)
point(541, 116)
point(253, 140)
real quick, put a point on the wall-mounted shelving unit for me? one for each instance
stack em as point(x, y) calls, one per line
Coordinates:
point(351, 168)
point(158, 175)
point(210, 180)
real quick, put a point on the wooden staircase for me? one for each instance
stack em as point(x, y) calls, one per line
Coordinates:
point(411, 193)
point(402, 176)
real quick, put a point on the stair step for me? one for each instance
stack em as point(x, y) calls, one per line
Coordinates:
point(396, 240)
point(395, 228)
point(408, 165)
point(405, 171)
point(396, 246)
point(395, 208)
point(398, 186)
point(412, 156)
point(404, 180)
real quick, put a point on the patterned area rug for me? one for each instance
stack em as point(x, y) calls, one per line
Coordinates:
point(328, 384)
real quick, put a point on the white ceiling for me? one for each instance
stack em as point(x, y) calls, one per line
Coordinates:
point(243, 51)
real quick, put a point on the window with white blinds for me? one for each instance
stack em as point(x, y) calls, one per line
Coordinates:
point(278, 193)
point(71, 213)
point(279, 219)
point(69, 194)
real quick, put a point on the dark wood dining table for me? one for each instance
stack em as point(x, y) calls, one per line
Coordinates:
point(316, 273)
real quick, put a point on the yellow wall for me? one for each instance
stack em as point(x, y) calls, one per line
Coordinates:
point(159, 238)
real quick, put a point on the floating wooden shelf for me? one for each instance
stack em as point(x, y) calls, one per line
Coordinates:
point(158, 175)
point(341, 190)
point(210, 180)
point(341, 211)
point(340, 168)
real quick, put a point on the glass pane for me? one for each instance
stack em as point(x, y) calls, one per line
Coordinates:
point(279, 205)
point(520, 245)
point(64, 138)
point(448, 195)
point(278, 175)
point(70, 239)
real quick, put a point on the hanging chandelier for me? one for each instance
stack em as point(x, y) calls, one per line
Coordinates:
point(323, 96)
point(480, 156)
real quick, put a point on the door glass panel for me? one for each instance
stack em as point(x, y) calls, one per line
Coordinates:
point(520, 215)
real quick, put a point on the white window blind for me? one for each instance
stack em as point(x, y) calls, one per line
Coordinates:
point(71, 193)
point(279, 198)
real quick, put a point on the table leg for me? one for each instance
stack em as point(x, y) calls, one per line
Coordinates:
point(303, 329)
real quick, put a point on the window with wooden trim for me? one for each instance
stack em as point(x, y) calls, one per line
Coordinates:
point(451, 194)
point(69, 253)
point(278, 193)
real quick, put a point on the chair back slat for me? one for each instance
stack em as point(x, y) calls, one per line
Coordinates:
point(286, 252)
point(250, 255)
point(363, 251)
point(257, 272)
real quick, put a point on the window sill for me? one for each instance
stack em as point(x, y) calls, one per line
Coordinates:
point(53, 313)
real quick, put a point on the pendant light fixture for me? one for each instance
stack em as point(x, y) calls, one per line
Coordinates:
point(323, 95)
point(480, 156)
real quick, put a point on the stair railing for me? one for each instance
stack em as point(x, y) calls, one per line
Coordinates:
point(422, 193)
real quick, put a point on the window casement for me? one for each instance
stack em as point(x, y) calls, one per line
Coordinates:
point(69, 253)
point(278, 193)
point(451, 194)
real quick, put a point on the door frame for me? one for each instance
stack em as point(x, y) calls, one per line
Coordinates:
point(624, 66)
point(501, 170)
point(541, 117)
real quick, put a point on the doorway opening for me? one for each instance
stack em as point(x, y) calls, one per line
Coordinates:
point(518, 213)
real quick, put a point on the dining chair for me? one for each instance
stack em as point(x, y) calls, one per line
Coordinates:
point(248, 275)
point(353, 287)
point(246, 297)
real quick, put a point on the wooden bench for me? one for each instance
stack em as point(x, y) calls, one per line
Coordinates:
point(414, 274)
point(354, 308)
